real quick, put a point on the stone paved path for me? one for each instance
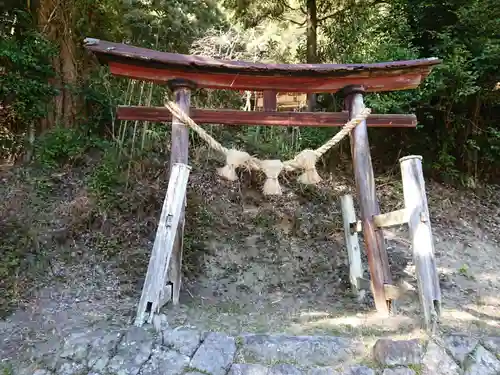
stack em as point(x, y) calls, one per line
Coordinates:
point(187, 351)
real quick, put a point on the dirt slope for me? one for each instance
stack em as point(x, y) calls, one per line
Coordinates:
point(251, 263)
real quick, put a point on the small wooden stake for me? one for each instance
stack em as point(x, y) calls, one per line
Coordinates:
point(365, 185)
point(179, 154)
point(351, 242)
point(421, 237)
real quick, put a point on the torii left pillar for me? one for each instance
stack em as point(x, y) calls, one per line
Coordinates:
point(179, 153)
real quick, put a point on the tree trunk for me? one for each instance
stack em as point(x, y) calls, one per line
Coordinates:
point(44, 10)
point(68, 75)
point(312, 44)
point(55, 21)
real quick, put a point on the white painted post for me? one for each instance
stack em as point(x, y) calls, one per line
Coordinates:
point(421, 238)
point(351, 242)
point(153, 293)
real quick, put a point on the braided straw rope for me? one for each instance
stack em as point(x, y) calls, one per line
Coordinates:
point(305, 160)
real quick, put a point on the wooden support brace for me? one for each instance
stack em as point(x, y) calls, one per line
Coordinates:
point(179, 154)
point(365, 185)
point(352, 243)
point(391, 219)
point(155, 293)
point(421, 238)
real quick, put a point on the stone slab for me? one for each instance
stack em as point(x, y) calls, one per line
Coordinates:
point(492, 344)
point(482, 362)
point(164, 361)
point(308, 351)
point(102, 349)
point(358, 370)
point(389, 352)
point(71, 368)
point(399, 371)
point(248, 369)
point(323, 371)
point(460, 346)
point(437, 362)
point(215, 354)
point(184, 340)
point(284, 369)
point(132, 352)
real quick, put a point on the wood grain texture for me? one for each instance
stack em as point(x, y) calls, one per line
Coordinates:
point(397, 80)
point(391, 219)
point(234, 117)
point(153, 292)
point(365, 186)
point(141, 63)
point(143, 57)
point(179, 153)
point(422, 242)
point(351, 242)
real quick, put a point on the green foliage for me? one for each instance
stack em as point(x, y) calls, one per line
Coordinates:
point(457, 106)
point(61, 146)
point(7, 369)
point(168, 25)
point(107, 177)
point(462, 105)
point(101, 93)
point(25, 70)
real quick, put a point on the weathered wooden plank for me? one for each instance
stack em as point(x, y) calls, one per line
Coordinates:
point(152, 296)
point(312, 83)
point(145, 57)
point(421, 238)
point(142, 63)
point(365, 186)
point(391, 219)
point(179, 154)
point(351, 242)
point(233, 117)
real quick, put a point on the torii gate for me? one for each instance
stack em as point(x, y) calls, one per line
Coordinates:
point(183, 73)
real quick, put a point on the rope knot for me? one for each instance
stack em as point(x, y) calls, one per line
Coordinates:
point(272, 169)
point(306, 160)
point(234, 159)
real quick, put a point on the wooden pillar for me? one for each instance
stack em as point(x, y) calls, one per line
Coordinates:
point(270, 100)
point(179, 153)
point(419, 225)
point(365, 185)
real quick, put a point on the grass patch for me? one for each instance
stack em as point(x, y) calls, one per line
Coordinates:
point(417, 368)
point(239, 342)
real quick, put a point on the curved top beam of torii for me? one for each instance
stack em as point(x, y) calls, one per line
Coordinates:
point(145, 64)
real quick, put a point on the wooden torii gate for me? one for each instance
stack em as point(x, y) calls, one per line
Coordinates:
point(183, 73)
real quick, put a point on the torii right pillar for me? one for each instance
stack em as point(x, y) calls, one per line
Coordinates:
point(378, 261)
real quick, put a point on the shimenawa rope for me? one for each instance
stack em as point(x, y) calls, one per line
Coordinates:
point(304, 160)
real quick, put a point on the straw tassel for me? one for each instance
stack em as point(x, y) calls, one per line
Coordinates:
point(234, 159)
point(272, 169)
point(306, 160)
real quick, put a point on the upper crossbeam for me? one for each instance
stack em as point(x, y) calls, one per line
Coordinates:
point(145, 64)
